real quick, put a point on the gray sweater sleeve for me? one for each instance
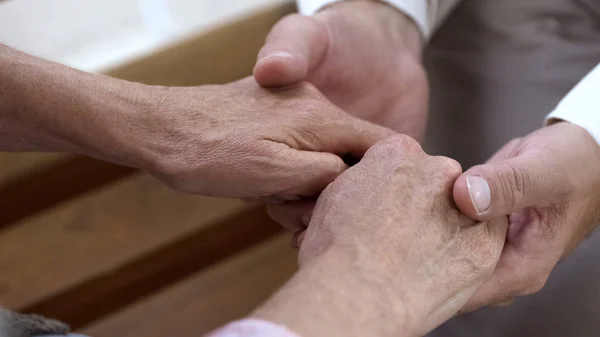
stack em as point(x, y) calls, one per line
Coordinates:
point(20, 325)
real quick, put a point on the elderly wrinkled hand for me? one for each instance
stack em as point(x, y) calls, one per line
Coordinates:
point(241, 140)
point(548, 184)
point(390, 224)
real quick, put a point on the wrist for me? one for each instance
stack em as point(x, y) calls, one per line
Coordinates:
point(51, 107)
point(171, 123)
point(106, 121)
point(569, 126)
point(333, 296)
point(401, 31)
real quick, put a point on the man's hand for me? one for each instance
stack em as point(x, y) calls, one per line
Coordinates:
point(387, 253)
point(241, 140)
point(548, 184)
point(362, 55)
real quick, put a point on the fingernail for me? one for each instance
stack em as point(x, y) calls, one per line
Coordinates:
point(479, 192)
point(277, 53)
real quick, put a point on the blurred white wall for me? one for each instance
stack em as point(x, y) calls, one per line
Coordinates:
point(94, 35)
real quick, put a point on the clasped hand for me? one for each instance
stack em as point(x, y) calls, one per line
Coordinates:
point(547, 184)
point(240, 140)
point(387, 240)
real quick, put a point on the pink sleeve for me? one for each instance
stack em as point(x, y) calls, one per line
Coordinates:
point(252, 328)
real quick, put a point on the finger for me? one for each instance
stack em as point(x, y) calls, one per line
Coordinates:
point(515, 275)
point(306, 173)
point(292, 215)
point(506, 152)
point(500, 188)
point(499, 288)
point(294, 46)
point(496, 232)
point(364, 136)
point(347, 135)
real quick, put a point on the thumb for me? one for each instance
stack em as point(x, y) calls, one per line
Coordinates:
point(500, 188)
point(294, 46)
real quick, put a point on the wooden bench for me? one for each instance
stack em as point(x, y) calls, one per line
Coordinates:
point(114, 252)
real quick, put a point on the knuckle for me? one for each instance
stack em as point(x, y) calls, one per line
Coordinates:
point(398, 145)
point(448, 167)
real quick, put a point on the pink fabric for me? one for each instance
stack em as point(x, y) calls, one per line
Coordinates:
point(252, 328)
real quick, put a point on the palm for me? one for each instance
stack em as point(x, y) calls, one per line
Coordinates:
point(366, 74)
point(364, 56)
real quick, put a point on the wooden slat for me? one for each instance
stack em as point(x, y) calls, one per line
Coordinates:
point(16, 165)
point(54, 184)
point(150, 273)
point(222, 55)
point(96, 234)
point(209, 299)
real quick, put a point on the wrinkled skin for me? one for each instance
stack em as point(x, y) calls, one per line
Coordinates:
point(241, 140)
point(392, 219)
point(548, 184)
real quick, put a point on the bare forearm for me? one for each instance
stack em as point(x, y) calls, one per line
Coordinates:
point(333, 297)
point(45, 106)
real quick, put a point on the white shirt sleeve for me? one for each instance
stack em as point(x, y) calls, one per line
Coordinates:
point(427, 14)
point(581, 106)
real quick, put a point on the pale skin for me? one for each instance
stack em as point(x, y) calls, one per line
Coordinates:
point(365, 56)
point(234, 140)
point(277, 144)
point(547, 183)
point(387, 253)
point(368, 65)
point(240, 140)
point(349, 45)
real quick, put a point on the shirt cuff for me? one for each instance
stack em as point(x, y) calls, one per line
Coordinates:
point(253, 328)
point(417, 10)
point(581, 106)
